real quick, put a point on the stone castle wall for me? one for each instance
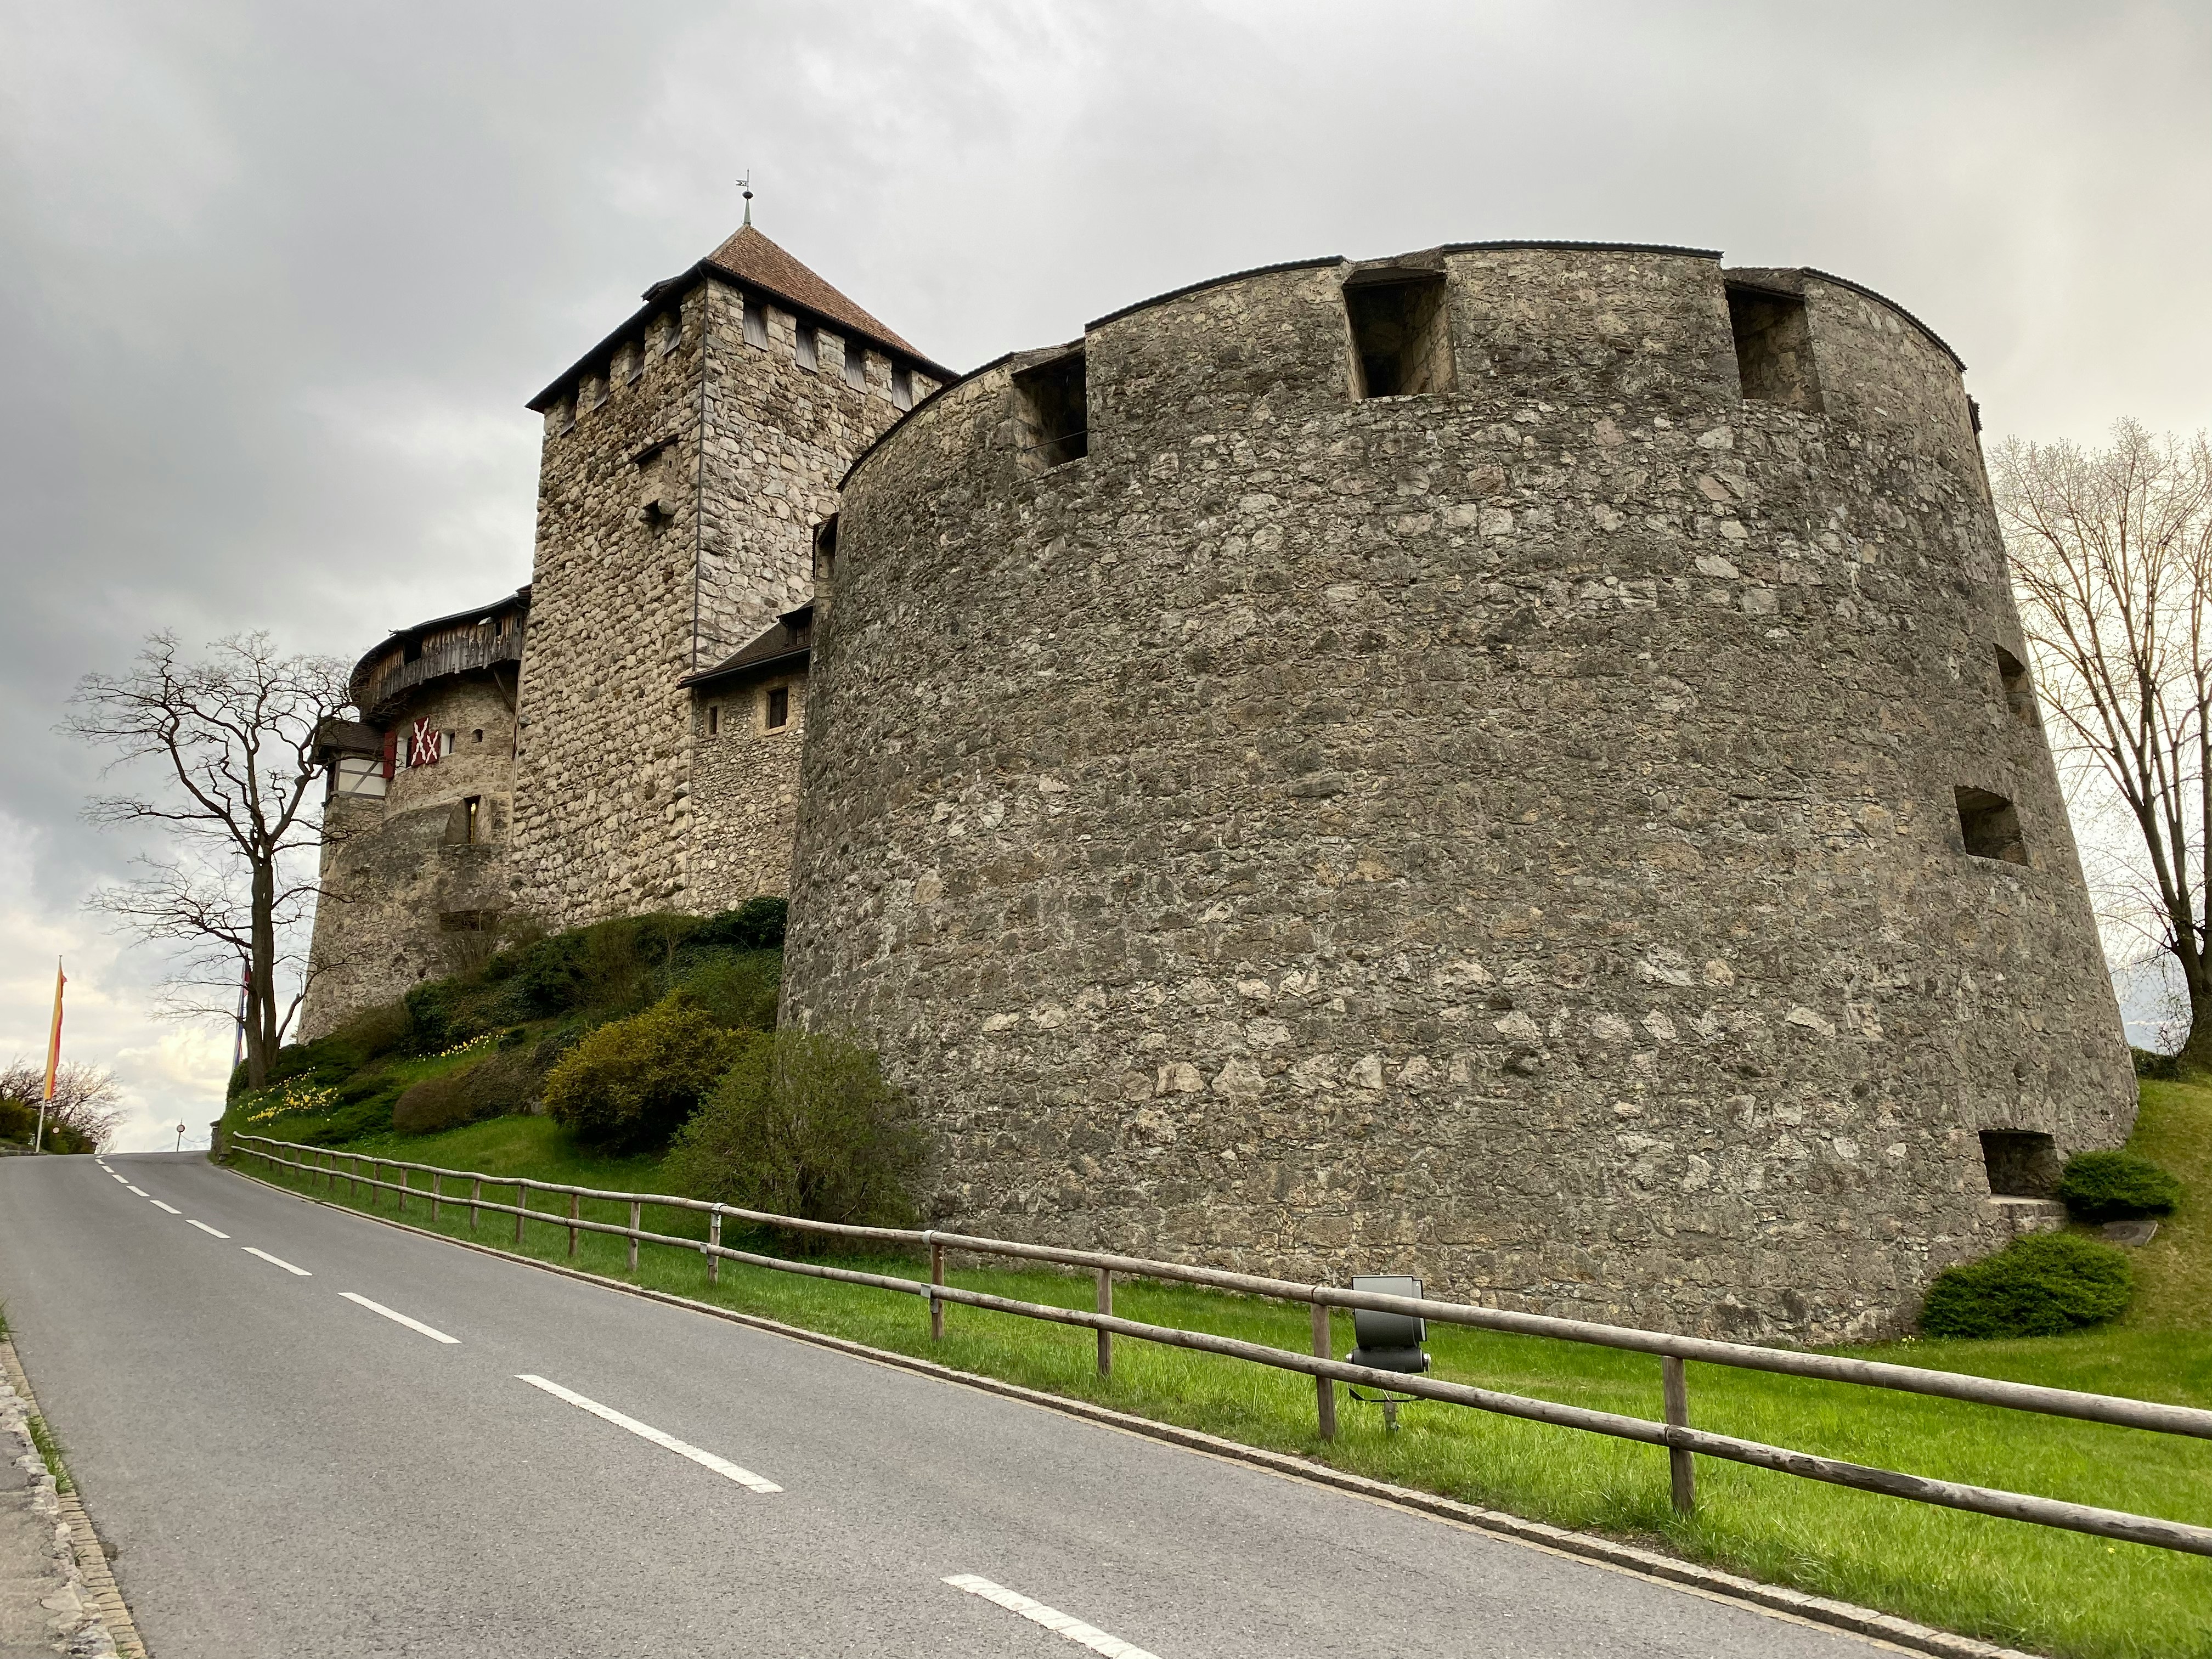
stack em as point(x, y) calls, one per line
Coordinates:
point(1511, 834)
point(744, 792)
point(406, 892)
point(741, 446)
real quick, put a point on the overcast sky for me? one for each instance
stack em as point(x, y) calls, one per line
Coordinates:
point(276, 279)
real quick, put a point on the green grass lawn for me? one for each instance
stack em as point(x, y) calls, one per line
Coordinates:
point(2026, 1586)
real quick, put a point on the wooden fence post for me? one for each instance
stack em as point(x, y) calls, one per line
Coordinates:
point(476, 1194)
point(1324, 1391)
point(521, 1204)
point(575, 1202)
point(936, 1276)
point(1681, 1465)
point(404, 1183)
point(715, 1244)
point(636, 1215)
point(1105, 1306)
point(435, 1178)
point(353, 1178)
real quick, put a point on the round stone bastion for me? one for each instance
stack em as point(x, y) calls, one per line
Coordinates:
point(1511, 763)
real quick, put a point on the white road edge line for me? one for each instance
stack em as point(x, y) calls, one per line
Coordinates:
point(721, 1466)
point(171, 1208)
point(204, 1228)
point(277, 1261)
point(1053, 1619)
point(434, 1334)
point(140, 1191)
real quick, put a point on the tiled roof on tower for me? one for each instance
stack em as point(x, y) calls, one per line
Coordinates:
point(752, 259)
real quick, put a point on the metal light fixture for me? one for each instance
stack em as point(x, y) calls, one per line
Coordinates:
point(1388, 1341)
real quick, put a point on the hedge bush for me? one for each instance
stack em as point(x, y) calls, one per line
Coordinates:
point(630, 1085)
point(804, 1124)
point(501, 1083)
point(2043, 1284)
point(2116, 1187)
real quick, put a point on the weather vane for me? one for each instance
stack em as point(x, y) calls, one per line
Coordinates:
point(745, 185)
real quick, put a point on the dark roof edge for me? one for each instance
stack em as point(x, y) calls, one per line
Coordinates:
point(1212, 282)
point(706, 270)
point(521, 594)
point(730, 671)
point(1584, 247)
point(1957, 361)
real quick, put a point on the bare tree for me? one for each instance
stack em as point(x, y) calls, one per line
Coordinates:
point(234, 739)
point(2111, 558)
point(86, 1098)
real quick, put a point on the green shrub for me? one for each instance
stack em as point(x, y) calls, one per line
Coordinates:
point(19, 1120)
point(2159, 1068)
point(630, 1085)
point(2043, 1284)
point(2116, 1187)
point(756, 925)
point(740, 991)
point(804, 1125)
point(504, 1082)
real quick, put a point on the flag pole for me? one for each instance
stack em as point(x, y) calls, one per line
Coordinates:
point(54, 1060)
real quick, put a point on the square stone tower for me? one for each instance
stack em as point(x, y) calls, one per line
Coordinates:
point(687, 459)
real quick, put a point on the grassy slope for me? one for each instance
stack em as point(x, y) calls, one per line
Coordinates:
point(2057, 1592)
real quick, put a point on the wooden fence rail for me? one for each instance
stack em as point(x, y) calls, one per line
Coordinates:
point(1682, 1442)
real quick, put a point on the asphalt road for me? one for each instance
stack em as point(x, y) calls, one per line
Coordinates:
point(288, 1473)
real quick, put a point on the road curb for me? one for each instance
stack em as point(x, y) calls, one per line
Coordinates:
point(99, 1595)
point(1901, 1633)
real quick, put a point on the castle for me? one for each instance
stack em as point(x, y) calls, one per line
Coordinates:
point(1512, 762)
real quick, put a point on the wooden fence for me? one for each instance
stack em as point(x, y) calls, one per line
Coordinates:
point(1682, 1442)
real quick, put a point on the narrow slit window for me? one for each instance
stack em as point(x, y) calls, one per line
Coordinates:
point(856, 365)
point(806, 351)
point(826, 551)
point(1055, 413)
point(672, 333)
point(2020, 1163)
point(756, 324)
point(1989, 826)
point(779, 708)
point(714, 720)
point(1774, 347)
point(1401, 335)
point(901, 385)
point(473, 820)
point(2019, 694)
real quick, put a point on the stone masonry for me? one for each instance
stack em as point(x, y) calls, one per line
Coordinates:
point(1579, 831)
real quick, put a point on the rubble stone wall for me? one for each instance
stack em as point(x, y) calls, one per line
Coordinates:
point(742, 446)
point(404, 890)
point(1508, 835)
point(744, 791)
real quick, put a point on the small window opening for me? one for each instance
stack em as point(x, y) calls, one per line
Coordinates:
point(714, 720)
point(1774, 347)
point(672, 333)
point(901, 385)
point(807, 352)
point(2019, 695)
point(1989, 826)
point(856, 365)
point(633, 360)
point(1401, 336)
point(826, 551)
point(476, 735)
point(756, 324)
point(779, 707)
point(1054, 414)
point(2021, 1163)
point(472, 817)
point(412, 652)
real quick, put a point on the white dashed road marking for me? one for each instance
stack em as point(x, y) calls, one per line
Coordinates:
point(204, 1228)
point(399, 1318)
point(1053, 1619)
point(277, 1261)
point(171, 1208)
point(721, 1466)
point(140, 1191)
